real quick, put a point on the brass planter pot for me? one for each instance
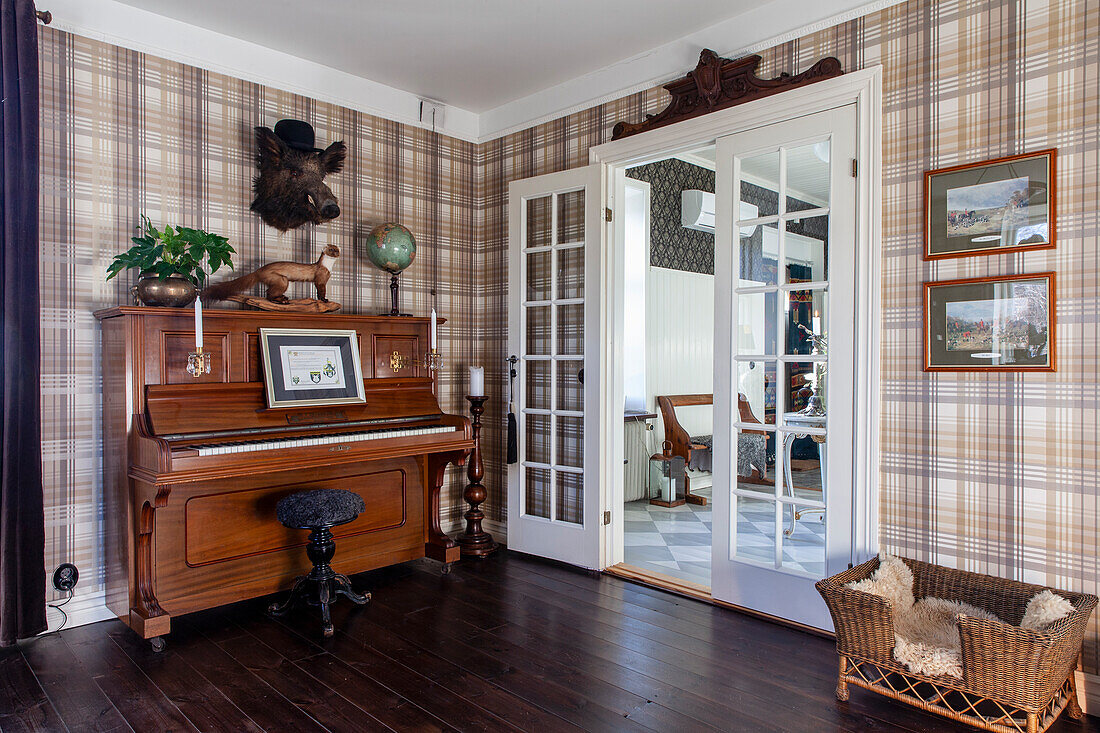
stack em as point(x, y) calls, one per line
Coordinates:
point(175, 291)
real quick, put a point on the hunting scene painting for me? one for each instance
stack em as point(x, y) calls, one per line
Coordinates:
point(986, 208)
point(990, 323)
point(1004, 205)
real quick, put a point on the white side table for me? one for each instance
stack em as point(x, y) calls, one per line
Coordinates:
point(798, 419)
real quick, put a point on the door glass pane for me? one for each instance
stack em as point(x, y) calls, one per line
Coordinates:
point(570, 390)
point(805, 382)
point(538, 385)
point(538, 275)
point(808, 176)
point(538, 330)
point(756, 323)
point(571, 217)
point(806, 327)
point(756, 391)
point(759, 250)
point(760, 183)
point(806, 250)
point(570, 272)
point(570, 330)
point(753, 472)
point(805, 469)
point(537, 492)
point(570, 441)
point(538, 222)
point(538, 438)
point(804, 540)
point(754, 529)
point(569, 489)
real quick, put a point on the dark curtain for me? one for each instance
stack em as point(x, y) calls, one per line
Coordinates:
point(22, 535)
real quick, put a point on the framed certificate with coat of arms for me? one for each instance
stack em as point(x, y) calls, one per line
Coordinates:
point(305, 366)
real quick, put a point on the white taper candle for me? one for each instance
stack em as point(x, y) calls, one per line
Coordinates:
point(432, 342)
point(477, 381)
point(198, 323)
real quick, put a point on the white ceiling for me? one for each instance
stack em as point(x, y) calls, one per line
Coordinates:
point(498, 66)
point(472, 54)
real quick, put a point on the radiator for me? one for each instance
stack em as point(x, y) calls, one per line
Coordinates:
point(636, 453)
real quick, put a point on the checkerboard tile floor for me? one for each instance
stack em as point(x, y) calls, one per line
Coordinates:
point(676, 541)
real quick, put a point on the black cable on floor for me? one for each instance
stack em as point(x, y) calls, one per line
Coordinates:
point(64, 616)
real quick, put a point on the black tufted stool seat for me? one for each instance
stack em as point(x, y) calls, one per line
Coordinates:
point(319, 511)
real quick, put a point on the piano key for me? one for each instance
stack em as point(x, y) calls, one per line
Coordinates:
point(217, 449)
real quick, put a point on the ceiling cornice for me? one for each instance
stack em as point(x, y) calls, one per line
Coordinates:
point(129, 27)
point(140, 30)
point(732, 38)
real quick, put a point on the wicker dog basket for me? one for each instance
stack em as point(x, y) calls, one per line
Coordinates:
point(1014, 680)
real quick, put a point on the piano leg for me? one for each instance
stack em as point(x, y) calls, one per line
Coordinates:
point(438, 545)
point(146, 615)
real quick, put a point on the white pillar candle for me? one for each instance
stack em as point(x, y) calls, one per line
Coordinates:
point(817, 323)
point(198, 323)
point(477, 381)
point(432, 340)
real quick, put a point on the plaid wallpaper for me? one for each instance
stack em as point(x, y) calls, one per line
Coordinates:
point(124, 134)
point(989, 472)
point(994, 473)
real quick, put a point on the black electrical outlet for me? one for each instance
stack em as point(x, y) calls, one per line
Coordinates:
point(65, 577)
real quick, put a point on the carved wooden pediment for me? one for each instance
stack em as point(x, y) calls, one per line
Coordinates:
point(717, 83)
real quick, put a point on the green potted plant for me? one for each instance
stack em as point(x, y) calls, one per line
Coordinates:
point(170, 263)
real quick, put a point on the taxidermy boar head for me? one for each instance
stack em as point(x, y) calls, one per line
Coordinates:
point(290, 189)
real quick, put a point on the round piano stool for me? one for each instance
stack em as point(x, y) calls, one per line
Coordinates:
point(319, 511)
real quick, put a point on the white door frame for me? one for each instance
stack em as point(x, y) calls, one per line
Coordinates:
point(864, 89)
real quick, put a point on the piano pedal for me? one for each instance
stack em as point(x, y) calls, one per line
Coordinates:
point(158, 643)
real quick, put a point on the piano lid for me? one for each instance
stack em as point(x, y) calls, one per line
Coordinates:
point(240, 407)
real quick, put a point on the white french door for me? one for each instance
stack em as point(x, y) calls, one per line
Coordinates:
point(785, 365)
point(555, 249)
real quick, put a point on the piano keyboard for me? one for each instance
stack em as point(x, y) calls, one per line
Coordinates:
point(219, 449)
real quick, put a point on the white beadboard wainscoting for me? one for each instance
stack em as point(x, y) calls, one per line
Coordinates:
point(679, 344)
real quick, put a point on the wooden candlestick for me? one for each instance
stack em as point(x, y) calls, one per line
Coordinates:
point(475, 542)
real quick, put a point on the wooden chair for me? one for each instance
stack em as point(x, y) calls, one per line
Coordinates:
point(681, 441)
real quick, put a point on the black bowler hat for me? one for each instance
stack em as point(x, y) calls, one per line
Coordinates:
point(296, 134)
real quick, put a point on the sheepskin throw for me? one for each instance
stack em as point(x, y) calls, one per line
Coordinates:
point(893, 581)
point(926, 637)
point(1044, 608)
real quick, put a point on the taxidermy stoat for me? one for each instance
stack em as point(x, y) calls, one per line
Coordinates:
point(277, 276)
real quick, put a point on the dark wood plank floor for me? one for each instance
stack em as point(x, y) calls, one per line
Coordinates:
point(504, 644)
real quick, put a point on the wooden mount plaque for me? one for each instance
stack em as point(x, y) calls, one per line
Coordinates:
point(717, 83)
point(300, 305)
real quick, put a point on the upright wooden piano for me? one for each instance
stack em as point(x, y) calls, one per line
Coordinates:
point(193, 467)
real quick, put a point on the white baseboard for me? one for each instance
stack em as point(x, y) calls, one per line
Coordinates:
point(499, 530)
point(1088, 688)
point(80, 611)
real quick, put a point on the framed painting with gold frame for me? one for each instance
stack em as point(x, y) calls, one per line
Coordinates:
point(990, 324)
point(995, 206)
point(309, 367)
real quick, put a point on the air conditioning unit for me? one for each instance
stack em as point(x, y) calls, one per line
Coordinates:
point(697, 212)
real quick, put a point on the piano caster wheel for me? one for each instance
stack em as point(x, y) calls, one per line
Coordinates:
point(158, 643)
point(446, 569)
point(328, 630)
